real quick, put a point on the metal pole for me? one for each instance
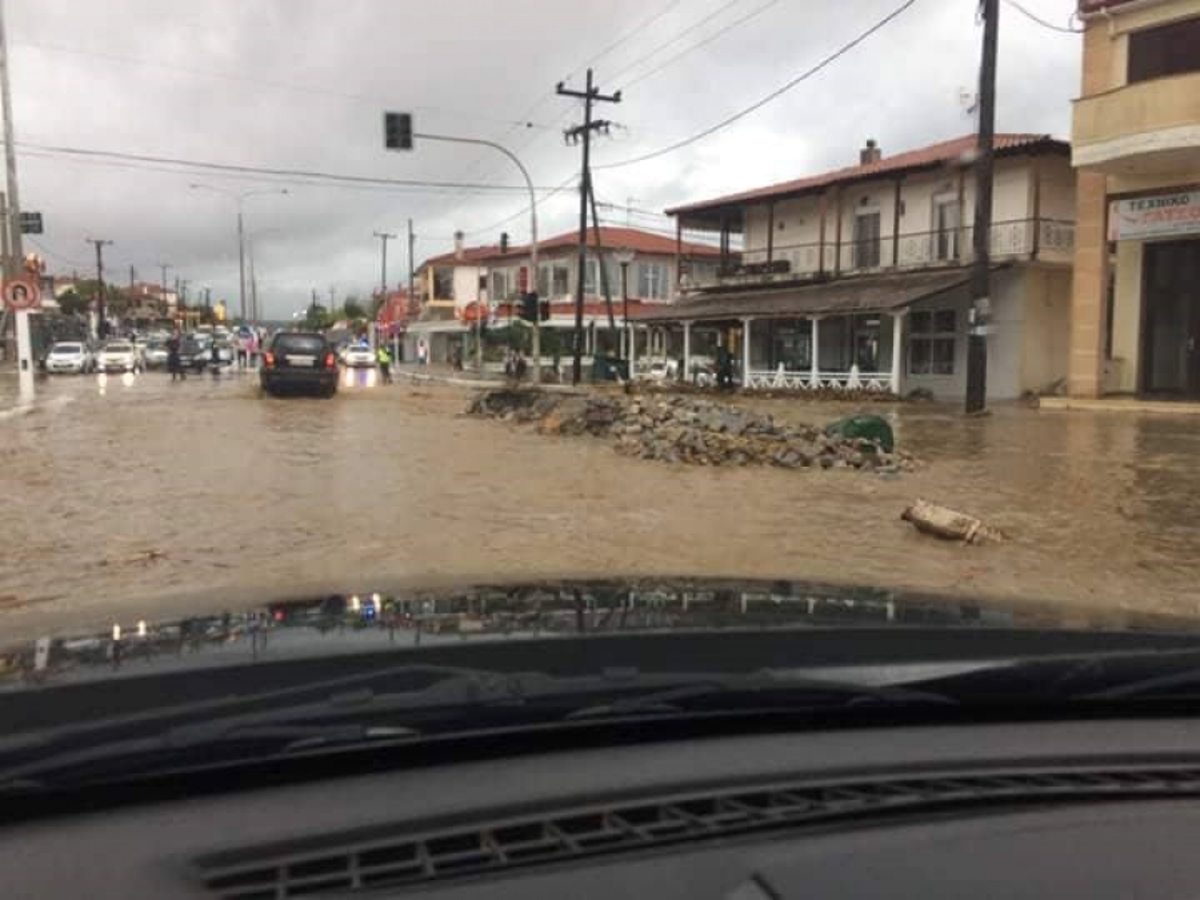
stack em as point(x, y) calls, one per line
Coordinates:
point(625, 295)
point(163, 297)
point(102, 325)
point(254, 314)
point(241, 262)
point(976, 399)
point(13, 221)
point(411, 270)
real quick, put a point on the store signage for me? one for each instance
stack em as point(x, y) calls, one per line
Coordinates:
point(1163, 215)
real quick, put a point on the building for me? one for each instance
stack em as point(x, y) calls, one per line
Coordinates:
point(857, 277)
point(455, 288)
point(1135, 312)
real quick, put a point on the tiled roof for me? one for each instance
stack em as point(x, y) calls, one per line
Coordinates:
point(611, 238)
point(924, 157)
point(1092, 6)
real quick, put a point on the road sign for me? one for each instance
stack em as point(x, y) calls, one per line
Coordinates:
point(22, 293)
point(31, 223)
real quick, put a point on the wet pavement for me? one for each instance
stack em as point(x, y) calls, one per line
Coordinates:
point(132, 498)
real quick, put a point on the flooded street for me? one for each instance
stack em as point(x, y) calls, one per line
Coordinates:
point(132, 500)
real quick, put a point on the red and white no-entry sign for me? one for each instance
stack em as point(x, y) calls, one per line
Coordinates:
point(22, 293)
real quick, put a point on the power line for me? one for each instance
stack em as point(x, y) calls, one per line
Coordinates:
point(570, 182)
point(702, 43)
point(804, 76)
point(82, 153)
point(1063, 29)
point(261, 82)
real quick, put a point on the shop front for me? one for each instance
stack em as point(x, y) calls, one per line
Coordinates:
point(1155, 295)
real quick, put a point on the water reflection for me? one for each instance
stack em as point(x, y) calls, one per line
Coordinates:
point(356, 622)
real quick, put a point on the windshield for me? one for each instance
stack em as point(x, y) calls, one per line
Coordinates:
point(795, 293)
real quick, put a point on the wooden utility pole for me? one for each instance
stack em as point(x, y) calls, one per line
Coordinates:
point(591, 94)
point(101, 323)
point(981, 271)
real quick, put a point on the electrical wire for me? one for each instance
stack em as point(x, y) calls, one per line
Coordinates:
point(702, 43)
point(234, 169)
point(572, 180)
point(79, 264)
point(1062, 29)
point(758, 104)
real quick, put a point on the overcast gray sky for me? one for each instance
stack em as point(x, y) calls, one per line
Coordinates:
point(301, 84)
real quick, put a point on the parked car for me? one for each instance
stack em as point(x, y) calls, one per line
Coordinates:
point(299, 361)
point(155, 354)
point(358, 356)
point(118, 356)
point(194, 352)
point(69, 356)
point(658, 370)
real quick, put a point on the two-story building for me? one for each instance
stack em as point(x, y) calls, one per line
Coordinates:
point(857, 277)
point(1135, 314)
point(632, 263)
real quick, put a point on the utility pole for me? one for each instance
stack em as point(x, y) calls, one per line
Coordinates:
point(981, 271)
point(163, 299)
point(254, 313)
point(12, 224)
point(591, 94)
point(102, 324)
point(412, 240)
point(384, 237)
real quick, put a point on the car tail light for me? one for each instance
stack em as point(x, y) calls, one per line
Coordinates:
point(330, 360)
point(268, 359)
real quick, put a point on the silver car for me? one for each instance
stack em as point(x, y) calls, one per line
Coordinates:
point(118, 356)
point(356, 356)
point(69, 357)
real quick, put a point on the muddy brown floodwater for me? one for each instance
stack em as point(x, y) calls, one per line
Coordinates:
point(121, 503)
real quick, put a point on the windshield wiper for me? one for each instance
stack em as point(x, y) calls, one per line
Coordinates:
point(453, 703)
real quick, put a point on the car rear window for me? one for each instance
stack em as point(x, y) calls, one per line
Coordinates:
point(299, 343)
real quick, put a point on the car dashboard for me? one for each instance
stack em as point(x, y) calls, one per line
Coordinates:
point(1096, 809)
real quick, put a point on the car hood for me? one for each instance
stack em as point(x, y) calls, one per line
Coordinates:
point(371, 619)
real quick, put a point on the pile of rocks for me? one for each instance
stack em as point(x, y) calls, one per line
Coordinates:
point(687, 429)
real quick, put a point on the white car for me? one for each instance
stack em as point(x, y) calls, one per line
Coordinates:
point(359, 357)
point(69, 356)
point(118, 356)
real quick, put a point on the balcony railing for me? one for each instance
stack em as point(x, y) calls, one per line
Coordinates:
point(1051, 240)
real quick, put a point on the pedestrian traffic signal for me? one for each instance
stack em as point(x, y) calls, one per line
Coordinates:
point(397, 131)
point(529, 307)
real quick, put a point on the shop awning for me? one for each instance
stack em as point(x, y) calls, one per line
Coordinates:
point(846, 296)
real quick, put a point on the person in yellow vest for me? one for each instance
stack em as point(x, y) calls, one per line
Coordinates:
point(385, 363)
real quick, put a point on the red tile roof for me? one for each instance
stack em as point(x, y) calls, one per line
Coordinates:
point(922, 158)
point(611, 238)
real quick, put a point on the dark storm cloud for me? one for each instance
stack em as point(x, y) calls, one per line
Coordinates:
point(291, 84)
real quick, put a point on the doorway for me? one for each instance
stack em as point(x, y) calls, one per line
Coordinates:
point(1171, 325)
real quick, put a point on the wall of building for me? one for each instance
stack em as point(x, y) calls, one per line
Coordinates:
point(1046, 328)
point(1127, 319)
point(1057, 188)
point(466, 284)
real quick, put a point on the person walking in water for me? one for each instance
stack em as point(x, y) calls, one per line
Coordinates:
point(385, 363)
point(173, 364)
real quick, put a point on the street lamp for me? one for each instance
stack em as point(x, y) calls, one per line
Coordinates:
point(624, 257)
point(240, 198)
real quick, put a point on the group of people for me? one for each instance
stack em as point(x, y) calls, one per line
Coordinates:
point(248, 348)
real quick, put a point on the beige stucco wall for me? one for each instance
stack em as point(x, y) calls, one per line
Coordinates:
point(1127, 318)
point(1046, 327)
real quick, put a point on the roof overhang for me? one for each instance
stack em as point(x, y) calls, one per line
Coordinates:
point(845, 296)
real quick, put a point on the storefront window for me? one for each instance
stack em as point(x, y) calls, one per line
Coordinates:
point(932, 341)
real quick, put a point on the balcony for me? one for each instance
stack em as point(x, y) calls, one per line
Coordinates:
point(1150, 127)
point(1048, 240)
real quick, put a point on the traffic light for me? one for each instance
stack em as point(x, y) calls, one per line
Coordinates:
point(529, 307)
point(504, 242)
point(397, 131)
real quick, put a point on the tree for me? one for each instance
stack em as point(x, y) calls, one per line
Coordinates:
point(72, 304)
point(353, 309)
point(317, 316)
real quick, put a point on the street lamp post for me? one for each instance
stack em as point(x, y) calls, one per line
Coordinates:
point(624, 257)
point(240, 198)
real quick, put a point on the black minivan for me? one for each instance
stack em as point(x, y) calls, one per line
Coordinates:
point(299, 361)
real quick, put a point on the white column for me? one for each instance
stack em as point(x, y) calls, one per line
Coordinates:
point(897, 349)
point(815, 368)
point(746, 352)
point(632, 348)
point(687, 351)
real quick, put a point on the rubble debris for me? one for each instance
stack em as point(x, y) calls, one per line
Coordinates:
point(948, 524)
point(696, 431)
